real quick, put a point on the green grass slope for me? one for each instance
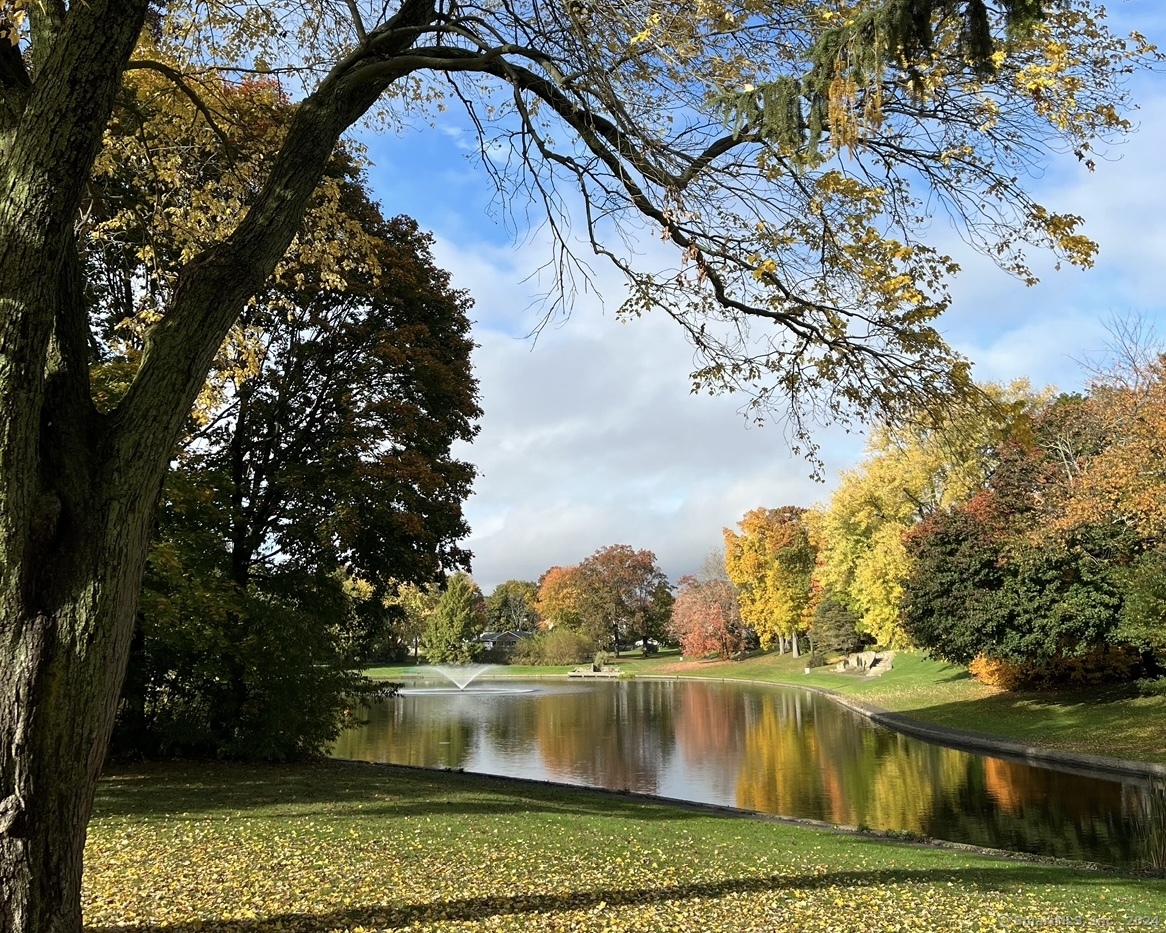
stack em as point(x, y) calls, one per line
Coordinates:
point(343, 846)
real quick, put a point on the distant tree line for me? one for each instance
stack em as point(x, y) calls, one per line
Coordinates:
point(1024, 536)
point(609, 601)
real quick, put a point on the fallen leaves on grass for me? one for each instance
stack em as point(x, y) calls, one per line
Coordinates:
point(509, 861)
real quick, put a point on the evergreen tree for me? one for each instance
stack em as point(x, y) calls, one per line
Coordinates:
point(460, 617)
point(835, 627)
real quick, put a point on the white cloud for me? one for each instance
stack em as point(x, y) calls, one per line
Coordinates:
point(591, 437)
point(1045, 332)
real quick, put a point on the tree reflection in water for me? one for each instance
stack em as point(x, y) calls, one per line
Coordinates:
point(782, 751)
point(1150, 826)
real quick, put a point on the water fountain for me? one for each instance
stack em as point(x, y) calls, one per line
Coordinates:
point(462, 676)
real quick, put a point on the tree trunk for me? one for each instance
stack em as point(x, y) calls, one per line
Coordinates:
point(78, 489)
point(74, 513)
point(62, 660)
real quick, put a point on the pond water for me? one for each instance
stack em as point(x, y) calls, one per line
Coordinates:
point(775, 750)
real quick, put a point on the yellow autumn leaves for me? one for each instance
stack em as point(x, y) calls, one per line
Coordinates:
point(175, 175)
point(365, 848)
point(770, 562)
point(785, 561)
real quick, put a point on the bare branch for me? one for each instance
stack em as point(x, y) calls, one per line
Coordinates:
point(357, 22)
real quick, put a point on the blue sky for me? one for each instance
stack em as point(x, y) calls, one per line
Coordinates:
point(590, 436)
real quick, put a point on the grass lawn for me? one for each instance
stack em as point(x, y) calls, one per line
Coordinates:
point(345, 846)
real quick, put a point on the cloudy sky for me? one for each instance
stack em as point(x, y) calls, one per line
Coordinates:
point(590, 436)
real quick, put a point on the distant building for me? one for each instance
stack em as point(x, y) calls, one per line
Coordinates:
point(502, 642)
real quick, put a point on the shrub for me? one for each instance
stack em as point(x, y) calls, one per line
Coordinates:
point(238, 675)
point(1104, 664)
point(560, 645)
point(996, 672)
point(1152, 686)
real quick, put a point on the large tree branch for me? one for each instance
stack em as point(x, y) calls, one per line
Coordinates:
point(44, 167)
point(611, 146)
point(801, 317)
point(212, 289)
point(60, 130)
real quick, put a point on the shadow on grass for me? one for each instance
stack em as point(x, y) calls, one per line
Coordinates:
point(343, 788)
point(470, 909)
point(957, 676)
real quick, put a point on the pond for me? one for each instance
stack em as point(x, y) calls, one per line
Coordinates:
point(775, 750)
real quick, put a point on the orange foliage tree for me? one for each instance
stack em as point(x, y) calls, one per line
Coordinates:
point(706, 618)
point(558, 598)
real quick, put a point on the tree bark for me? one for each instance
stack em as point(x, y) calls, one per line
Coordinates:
point(74, 515)
point(78, 489)
point(63, 658)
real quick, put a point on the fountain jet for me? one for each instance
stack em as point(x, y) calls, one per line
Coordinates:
point(461, 675)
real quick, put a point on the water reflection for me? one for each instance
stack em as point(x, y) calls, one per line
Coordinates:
point(780, 751)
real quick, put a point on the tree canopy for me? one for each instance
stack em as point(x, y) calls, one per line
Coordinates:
point(907, 474)
point(512, 606)
point(770, 561)
point(792, 154)
point(1017, 537)
point(315, 472)
point(618, 594)
point(706, 618)
point(995, 577)
point(456, 622)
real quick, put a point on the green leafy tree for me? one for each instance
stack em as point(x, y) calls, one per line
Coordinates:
point(512, 606)
point(330, 450)
point(1143, 612)
point(952, 589)
point(969, 595)
point(560, 645)
point(459, 619)
point(339, 448)
point(794, 186)
point(415, 605)
point(998, 577)
point(222, 671)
